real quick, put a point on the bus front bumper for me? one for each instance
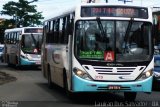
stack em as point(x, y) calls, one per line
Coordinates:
point(82, 85)
point(24, 61)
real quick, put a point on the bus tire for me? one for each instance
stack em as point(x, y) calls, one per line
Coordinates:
point(16, 61)
point(50, 83)
point(8, 61)
point(130, 96)
point(68, 93)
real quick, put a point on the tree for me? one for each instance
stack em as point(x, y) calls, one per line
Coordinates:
point(4, 24)
point(23, 13)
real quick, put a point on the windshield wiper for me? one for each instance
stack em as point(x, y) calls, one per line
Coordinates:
point(127, 32)
point(103, 34)
point(34, 40)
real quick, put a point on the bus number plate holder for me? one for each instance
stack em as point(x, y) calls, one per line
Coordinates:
point(114, 87)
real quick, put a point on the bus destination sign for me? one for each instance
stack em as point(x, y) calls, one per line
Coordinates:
point(133, 12)
point(33, 30)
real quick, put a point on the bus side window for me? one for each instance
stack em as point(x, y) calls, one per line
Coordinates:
point(62, 39)
point(56, 31)
point(5, 39)
point(60, 30)
point(9, 38)
point(22, 42)
point(18, 35)
point(67, 28)
point(47, 32)
point(71, 25)
point(52, 31)
point(14, 38)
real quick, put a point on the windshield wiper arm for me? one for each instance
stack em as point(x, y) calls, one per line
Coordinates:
point(127, 32)
point(101, 27)
point(34, 40)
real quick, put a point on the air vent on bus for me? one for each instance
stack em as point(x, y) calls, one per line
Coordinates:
point(114, 70)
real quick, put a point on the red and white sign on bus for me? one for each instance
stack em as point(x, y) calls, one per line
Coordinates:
point(109, 55)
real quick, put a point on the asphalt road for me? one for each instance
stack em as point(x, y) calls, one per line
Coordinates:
point(30, 90)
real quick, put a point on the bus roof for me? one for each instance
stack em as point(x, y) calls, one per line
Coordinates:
point(61, 13)
point(19, 29)
point(74, 8)
point(110, 4)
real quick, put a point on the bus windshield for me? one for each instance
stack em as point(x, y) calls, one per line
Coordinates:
point(120, 41)
point(31, 43)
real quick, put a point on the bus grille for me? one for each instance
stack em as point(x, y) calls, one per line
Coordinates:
point(114, 70)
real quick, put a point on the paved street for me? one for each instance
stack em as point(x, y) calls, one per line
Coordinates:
point(31, 88)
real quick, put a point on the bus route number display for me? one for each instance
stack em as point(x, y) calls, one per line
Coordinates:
point(114, 12)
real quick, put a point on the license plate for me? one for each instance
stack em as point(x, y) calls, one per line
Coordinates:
point(114, 87)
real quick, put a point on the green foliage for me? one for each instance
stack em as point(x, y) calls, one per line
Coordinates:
point(23, 13)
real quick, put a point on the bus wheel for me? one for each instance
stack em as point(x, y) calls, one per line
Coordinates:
point(50, 83)
point(68, 93)
point(130, 96)
point(8, 62)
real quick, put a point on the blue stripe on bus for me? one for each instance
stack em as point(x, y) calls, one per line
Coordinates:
point(24, 61)
point(81, 85)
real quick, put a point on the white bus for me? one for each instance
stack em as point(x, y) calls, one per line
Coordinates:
point(23, 46)
point(100, 48)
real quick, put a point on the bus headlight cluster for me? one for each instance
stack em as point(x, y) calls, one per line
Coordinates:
point(81, 74)
point(29, 57)
point(24, 56)
point(146, 74)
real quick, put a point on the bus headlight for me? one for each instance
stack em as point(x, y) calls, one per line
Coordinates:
point(29, 57)
point(24, 56)
point(81, 74)
point(146, 74)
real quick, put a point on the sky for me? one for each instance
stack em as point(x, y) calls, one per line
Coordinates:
point(50, 7)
